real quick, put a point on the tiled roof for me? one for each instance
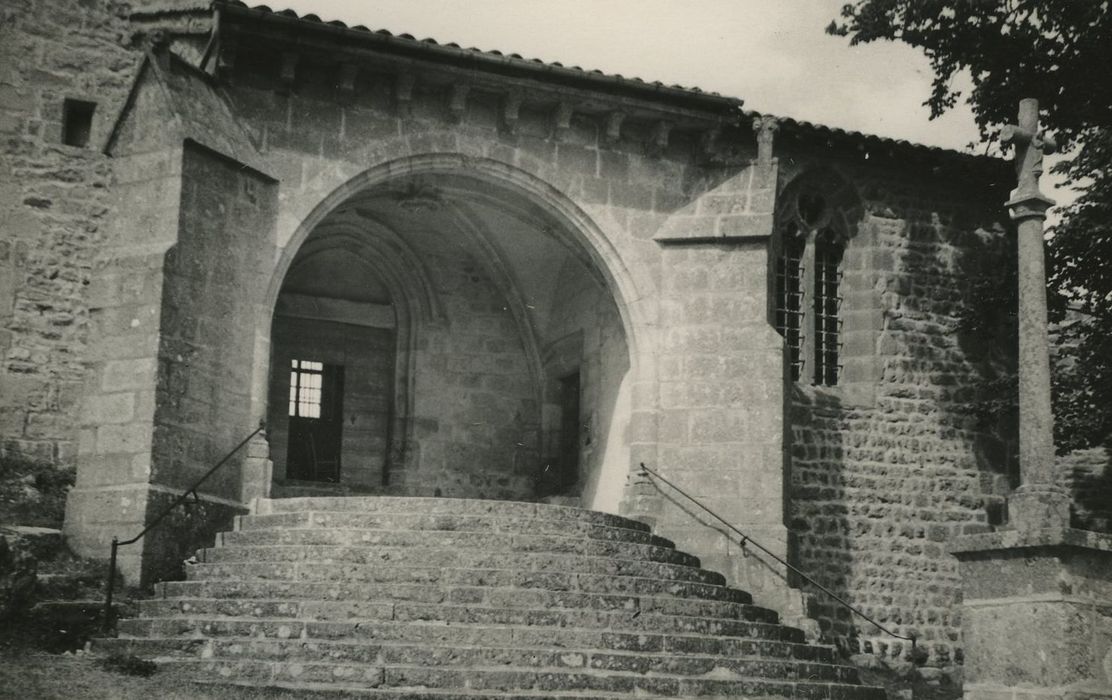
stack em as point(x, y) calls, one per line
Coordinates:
point(555, 68)
point(493, 56)
point(881, 143)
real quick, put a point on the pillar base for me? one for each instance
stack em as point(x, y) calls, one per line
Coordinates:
point(1036, 614)
point(1039, 507)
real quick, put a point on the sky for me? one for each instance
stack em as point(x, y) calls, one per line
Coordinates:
point(773, 54)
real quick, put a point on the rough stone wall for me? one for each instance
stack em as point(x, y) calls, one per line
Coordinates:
point(584, 310)
point(53, 204)
point(882, 479)
point(367, 356)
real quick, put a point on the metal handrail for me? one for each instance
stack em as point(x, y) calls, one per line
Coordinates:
point(746, 540)
point(191, 491)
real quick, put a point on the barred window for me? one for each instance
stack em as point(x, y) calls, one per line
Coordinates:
point(789, 302)
point(827, 300)
point(808, 278)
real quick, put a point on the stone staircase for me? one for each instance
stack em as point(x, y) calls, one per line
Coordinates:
point(438, 598)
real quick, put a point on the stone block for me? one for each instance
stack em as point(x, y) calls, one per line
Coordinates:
point(1048, 594)
point(745, 226)
point(123, 439)
point(579, 160)
point(101, 409)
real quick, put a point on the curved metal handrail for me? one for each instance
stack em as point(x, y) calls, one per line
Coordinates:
point(191, 491)
point(747, 540)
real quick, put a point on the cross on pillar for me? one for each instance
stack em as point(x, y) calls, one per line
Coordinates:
point(1039, 502)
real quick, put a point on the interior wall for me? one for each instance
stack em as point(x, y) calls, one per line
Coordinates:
point(476, 416)
point(584, 312)
point(367, 355)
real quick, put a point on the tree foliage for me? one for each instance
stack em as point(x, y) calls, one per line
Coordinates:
point(1059, 52)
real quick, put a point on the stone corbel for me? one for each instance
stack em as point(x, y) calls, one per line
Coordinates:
point(658, 141)
point(708, 142)
point(457, 103)
point(614, 126)
point(403, 93)
point(346, 82)
point(511, 111)
point(226, 58)
point(289, 68)
point(562, 119)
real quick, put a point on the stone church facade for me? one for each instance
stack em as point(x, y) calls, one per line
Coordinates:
point(434, 271)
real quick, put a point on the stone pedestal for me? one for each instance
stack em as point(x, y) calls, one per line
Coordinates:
point(1036, 614)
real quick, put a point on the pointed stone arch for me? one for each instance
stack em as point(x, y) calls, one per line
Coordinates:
point(631, 290)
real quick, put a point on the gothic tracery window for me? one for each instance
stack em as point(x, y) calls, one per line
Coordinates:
point(808, 288)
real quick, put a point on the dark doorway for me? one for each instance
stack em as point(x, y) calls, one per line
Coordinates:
point(316, 421)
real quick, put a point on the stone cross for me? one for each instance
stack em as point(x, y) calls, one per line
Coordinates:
point(1039, 503)
point(1030, 146)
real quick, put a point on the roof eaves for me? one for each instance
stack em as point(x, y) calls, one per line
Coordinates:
point(478, 58)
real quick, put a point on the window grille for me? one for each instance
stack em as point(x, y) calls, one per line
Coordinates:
point(827, 302)
point(789, 302)
point(306, 383)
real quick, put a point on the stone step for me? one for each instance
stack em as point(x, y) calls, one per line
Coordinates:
point(665, 646)
point(551, 680)
point(296, 651)
point(504, 607)
point(451, 598)
point(455, 558)
point(305, 691)
point(435, 575)
point(487, 541)
point(465, 523)
point(449, 619)
point(400, 505)
point(422, 593)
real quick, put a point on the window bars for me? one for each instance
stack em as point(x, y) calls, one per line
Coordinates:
point(827, 304)
point(789, 303)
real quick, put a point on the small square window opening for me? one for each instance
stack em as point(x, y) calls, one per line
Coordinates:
point(77, 122)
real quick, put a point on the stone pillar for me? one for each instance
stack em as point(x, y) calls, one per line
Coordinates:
point(1037, 594)
point(1039, 501)
point(258, 471)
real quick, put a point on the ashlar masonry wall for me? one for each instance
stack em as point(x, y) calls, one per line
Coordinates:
point(678, 239)
point(585, 334)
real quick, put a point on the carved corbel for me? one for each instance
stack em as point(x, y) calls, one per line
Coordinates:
point(289, 68)
point(662, 130)
point(348, 73)
point(511, 111)
point(614, 126)
point(562, 119)
point(403, 93)
point(708, 142)
point(226, 58)
point(457, 104)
